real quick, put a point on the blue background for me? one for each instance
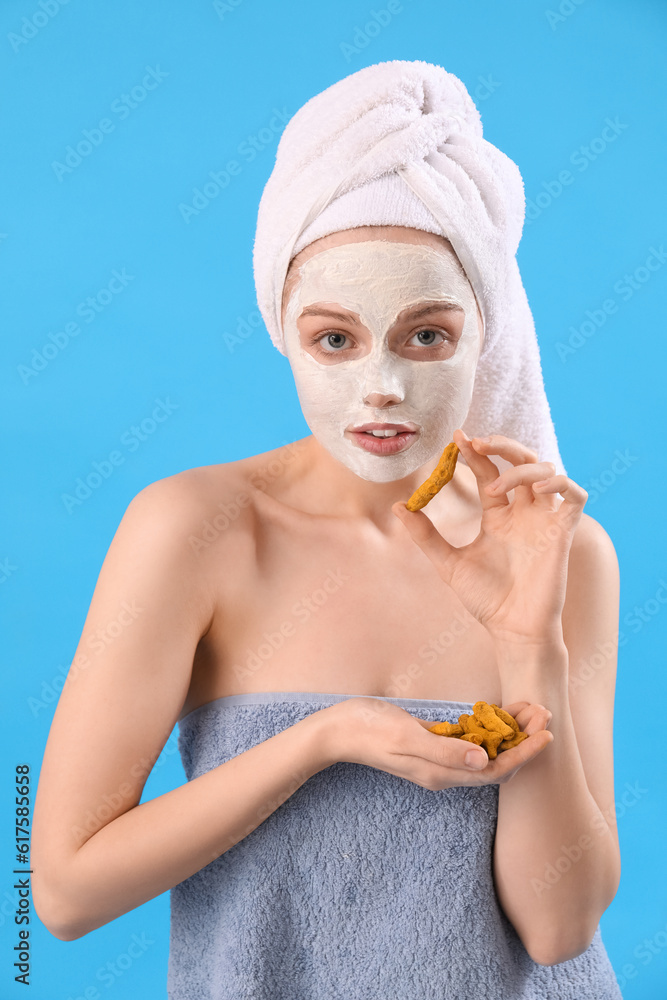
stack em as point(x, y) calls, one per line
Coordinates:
point(545, 84)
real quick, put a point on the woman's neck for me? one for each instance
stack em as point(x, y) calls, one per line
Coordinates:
point(320, 484)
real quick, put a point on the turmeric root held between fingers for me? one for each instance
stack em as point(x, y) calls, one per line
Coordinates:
point(441, 475)
point(490, 727)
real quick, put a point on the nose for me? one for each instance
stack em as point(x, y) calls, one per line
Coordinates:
point(381, 399)
point(382, 383)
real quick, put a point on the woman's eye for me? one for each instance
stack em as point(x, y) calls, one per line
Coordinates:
point(425, 338)
point(332, 342)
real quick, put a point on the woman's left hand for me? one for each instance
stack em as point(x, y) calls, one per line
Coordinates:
point(513, 576)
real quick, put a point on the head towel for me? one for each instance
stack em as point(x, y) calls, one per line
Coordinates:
point(400, 143)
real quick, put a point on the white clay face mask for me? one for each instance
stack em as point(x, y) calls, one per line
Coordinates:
point(377, 281)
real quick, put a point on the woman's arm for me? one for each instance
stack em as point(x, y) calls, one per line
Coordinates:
point(556, 856)
point(97, 853)
point(542, 578)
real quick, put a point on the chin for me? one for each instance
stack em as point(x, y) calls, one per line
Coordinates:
point(376, 469)
point(388, 478)
point(381, 469)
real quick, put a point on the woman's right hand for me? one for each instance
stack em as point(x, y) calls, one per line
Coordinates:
point(380, 734)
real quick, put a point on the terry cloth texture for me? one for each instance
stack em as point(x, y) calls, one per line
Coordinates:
point(400, 143)
point(360, 886)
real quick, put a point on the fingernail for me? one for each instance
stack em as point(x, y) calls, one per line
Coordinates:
point(476, 759)
point(483, 440)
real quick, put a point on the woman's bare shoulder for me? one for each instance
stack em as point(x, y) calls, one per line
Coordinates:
point(210, 498)
point(591, 544)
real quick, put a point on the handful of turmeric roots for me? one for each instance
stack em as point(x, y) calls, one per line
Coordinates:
point(490, 727)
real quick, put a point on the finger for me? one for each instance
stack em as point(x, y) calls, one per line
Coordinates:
point(428, 538)
point(574, 498)
point(512, 451)
point(483, 468)
point(509, 761)
point(523, 476)
point(539, 720)
point(449, 751)
point(515, 707)
point(532, 718)
point(508, 448)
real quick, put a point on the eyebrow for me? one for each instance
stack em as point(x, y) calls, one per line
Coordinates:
point(414, 313)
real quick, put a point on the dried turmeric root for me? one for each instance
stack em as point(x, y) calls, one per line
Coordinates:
point(473, 738)
point(447, 729)
point(490, 727)
point(440, 476)
point(506, 717)
point(486, 716)
point(490, 740)
point(514, 742)
point(510, 741)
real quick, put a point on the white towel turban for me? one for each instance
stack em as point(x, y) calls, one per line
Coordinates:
point(400, 143)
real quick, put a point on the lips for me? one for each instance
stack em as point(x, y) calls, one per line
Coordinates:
point(390, 439)
point(378, 426)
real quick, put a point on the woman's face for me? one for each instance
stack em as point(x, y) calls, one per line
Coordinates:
point(383, 335)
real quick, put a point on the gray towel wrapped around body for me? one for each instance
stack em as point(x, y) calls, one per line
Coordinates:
point(360, 886)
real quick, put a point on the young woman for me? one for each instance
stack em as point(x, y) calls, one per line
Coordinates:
point(305, 630)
